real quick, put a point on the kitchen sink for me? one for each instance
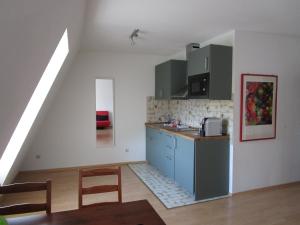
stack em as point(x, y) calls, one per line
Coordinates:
point(180, 129)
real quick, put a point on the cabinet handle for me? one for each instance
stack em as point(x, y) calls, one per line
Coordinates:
point(206, 64)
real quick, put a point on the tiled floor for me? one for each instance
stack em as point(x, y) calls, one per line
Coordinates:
point(165, 189)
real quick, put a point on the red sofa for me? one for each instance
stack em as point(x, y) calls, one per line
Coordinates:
point(102, 119)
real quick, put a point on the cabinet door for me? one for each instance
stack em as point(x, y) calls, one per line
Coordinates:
point(199, 61)
point(184, 163)
point(178, 76)
point(220, 72)
point(169, 163)
point(163, 81)
point(150, 146)
point(193, 64)
point(157, 149)
point(205, 60)
point(168, 155)
point(164, 147)
point(212, 169)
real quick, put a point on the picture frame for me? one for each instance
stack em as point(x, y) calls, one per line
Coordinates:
point(258, 107)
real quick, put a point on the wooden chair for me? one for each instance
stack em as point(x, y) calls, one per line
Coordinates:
point(26, 207)
point(100, 188)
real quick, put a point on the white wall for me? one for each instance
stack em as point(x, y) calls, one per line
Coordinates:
point(30, 32)
point(67, 135)
point(105, 97)
point(269, 162)
point(222, 39)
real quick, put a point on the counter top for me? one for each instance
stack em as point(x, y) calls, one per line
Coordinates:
point(189, 134)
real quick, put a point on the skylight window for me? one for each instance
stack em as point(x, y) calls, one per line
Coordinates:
point(33, 107)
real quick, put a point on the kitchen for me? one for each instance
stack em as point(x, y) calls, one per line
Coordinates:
point(189, 121)
point(261, 34)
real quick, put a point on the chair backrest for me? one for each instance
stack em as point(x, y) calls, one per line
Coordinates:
point(100, 188)
point(26, 207)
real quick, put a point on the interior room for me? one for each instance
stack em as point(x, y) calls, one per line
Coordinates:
point(149, 112)
point(104, 112)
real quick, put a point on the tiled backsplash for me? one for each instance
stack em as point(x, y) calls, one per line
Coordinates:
point(190, 112)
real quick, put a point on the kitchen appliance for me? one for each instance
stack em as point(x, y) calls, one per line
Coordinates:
point(211, 126)
point(198, 86)
point(182, 93)
point(190, 48)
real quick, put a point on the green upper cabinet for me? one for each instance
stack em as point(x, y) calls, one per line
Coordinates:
point(216, 62)
point(170, 77)
point(198, 61)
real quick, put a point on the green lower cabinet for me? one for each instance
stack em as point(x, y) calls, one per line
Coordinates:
point(212, 169)
point(157, 151)
point(168, 164)
point(200, 167)
point(184, 163)
point(149, 145)
point(173, 156)
point(160, 151)
point(153, 155)
point(167, 149)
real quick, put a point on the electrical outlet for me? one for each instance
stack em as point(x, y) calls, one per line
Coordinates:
point(126, 149)
point(37, 156)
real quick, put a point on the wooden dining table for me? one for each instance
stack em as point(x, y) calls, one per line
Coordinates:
point(129, 213)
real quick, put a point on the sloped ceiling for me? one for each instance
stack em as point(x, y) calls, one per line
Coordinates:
point(30, 31)
point(168, 25)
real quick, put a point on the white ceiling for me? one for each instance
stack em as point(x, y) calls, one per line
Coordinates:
point(168, 25)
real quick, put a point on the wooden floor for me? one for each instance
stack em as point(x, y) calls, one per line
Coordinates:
point(280, 206)
point(104, 137)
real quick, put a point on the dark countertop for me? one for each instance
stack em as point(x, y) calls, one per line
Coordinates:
point(189, 134)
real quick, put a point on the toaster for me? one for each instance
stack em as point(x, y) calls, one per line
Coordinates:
point(212, 126)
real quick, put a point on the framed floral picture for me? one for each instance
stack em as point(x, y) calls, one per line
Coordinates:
point(258, 107)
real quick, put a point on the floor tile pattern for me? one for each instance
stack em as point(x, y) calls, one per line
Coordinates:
point(164, 188)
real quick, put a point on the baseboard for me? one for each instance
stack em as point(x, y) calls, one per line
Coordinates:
point(269, 188)
point(67, 169)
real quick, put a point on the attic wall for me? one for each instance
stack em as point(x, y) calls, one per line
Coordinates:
point(30, 32)
point(67, 136)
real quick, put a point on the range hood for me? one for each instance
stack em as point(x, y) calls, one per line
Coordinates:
point(181, 94)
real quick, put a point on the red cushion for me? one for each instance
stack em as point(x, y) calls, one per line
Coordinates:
point(102, 123)
point(102, 113)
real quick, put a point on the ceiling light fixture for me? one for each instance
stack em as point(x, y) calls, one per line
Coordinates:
point(134, 35)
